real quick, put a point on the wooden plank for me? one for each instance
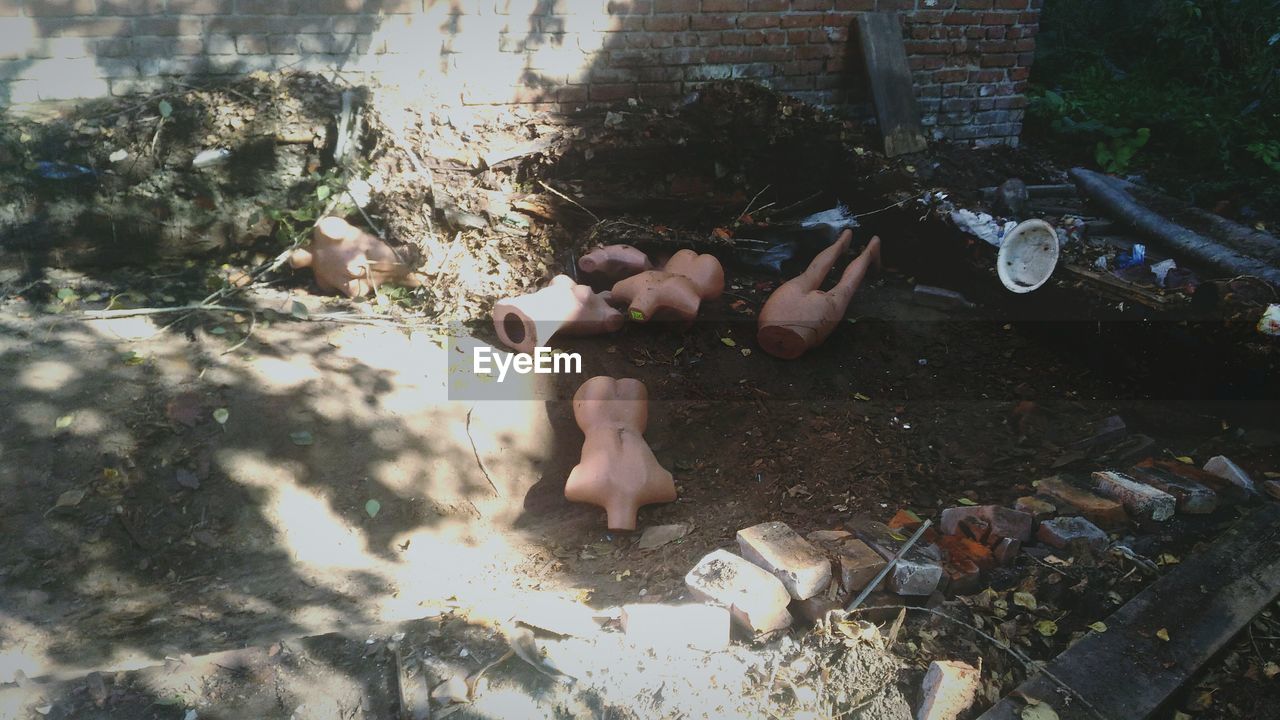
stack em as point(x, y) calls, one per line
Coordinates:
point(889, 76)
point(1128, 673)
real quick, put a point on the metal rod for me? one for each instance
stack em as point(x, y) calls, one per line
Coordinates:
point(889, 566)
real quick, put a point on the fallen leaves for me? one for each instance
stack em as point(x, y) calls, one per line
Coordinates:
point(221, 415)
point(70, 498)
point(372, 507)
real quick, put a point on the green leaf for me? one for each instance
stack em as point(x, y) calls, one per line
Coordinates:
point(66, 294)
point(298, 310)
point(1025, 600)
point(165, 108)
point(302, 437)
point(218, 330)
point(372, 507)
point(64, 422)
point(728, 341)
point(1098, 626)
point(323, 192)
point(966, 501)
point(221, 415)
point(1047, 628)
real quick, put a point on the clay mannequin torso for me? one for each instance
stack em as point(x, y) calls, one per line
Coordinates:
point(346, 259)
point(798, 316)
point(618, 471)
point(676, 291)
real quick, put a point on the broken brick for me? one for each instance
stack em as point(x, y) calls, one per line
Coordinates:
point(1103, 512)
point(1191, 497)
point(756, 600)
point(1063, 532)
point(957, 547)
point(1006, 553)
point(950, 687)
point(825, 537)
point(859, 565)
point(1140, 500)
point(1038, 508)
point(916, 573)
point(705, 627)
point(1002, 521)
point(1222, 467)
point(803, 569)
point(904, 520)
point(964, 577)
point(1226, 489)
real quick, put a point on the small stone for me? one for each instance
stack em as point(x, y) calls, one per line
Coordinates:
point(1002, 521)
point(756, 600)
point(1192, 497)
point(1139, 499)
point(1222, 466)
point(705, 627)
point(826, 537)
point(1103, 512)
point(917, 573)
point(1039, 509)
point(859, 565)
point(950, 687)
point(659, 535)
point(1061, 532)
point(803, 569)
point(1006, 553)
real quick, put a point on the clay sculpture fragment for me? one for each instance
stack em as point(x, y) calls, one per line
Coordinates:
point(529, 321)
point(351, 261)
point(798, 316)
point(618, 471)
point(615, 262)
point(675, 292)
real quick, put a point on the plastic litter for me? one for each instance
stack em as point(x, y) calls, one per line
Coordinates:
point(1269, 323)
point(1161, 270)
point(210, 157)
point(1028, 256)
point(983, 226)
point(1133, 258)
point(783, 247)
point(59, 170)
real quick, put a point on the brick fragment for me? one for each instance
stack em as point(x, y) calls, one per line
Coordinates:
point(859, 565)
point(1222, 466)
point(1140, 500)
point(1103, 512)
point(1063, 532)
point(1002, 521)
point(1192, 497)
point(803, 569)
point(917, 573)
point(950, 687)
point(1038, 508)
point(757, 601)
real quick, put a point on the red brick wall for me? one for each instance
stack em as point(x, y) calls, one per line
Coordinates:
point(970, 57)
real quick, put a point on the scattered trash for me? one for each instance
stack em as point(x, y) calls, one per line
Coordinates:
point(1133, 258)
point(1161, 270)
point(1269, 323)
point(210, 157)
point(983, 226)
point(1027, 256)
point(59, 170)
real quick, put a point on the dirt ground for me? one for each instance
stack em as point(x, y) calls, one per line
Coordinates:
point(175, 485)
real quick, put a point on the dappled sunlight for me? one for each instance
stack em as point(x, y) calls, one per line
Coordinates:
point(47, 375)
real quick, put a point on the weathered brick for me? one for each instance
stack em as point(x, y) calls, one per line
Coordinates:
point(666, 23)
point(165, 26)
point(84, 27)
point(917, 573)
point(202, 7)
point(707, 21)
point(758, 22)
point(676, 6)
point(1222, 466)
point(1104, 512)
point(794, 20)
point(1140, 500)
point(705, 627)
point(612, 92)
point(60, 8)
point(756, 600)
point(950, 687)
point(724, 5)
point(1192, 497)
point(128, 7)
point(774, 546)
point(1064, 532)
point(1003, 522)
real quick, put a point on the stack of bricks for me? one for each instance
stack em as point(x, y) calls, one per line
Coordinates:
point(970, 58)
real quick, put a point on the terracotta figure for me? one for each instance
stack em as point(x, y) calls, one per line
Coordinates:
point(798, 316)
point(676, 291)
point(351, 261)
point(615, 262)
point(618, 471)
point(529, 321)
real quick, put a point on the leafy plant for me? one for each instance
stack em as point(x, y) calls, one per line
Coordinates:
point(1114, 156)
point(1268, 153)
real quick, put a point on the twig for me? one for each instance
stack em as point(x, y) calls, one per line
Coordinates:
point(476, 451)
point(794, 205)
point(562, 196)
point(904, 201)
point(133, 312)
point(253, 320)
point(1028, 664)
point(747, 210)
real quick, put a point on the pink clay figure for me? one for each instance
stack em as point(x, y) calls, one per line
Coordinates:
point(530, 321)
point(798, 316)
point(618, 471)
point(615, 262)
point(676, 291)
point(351, 261)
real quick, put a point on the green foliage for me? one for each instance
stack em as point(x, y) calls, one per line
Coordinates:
point(292, 225)
point(1194, 84)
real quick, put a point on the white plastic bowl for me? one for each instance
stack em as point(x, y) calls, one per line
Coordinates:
point(1028, 255)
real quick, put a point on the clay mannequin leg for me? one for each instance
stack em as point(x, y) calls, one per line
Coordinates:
point(856, 271)
point(811, 279)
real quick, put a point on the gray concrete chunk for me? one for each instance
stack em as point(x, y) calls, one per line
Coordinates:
point(803, 569)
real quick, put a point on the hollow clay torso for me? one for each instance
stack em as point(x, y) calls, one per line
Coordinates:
point(349, 260)
point(675, 292)
point(563, 307)
point(617, 471)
